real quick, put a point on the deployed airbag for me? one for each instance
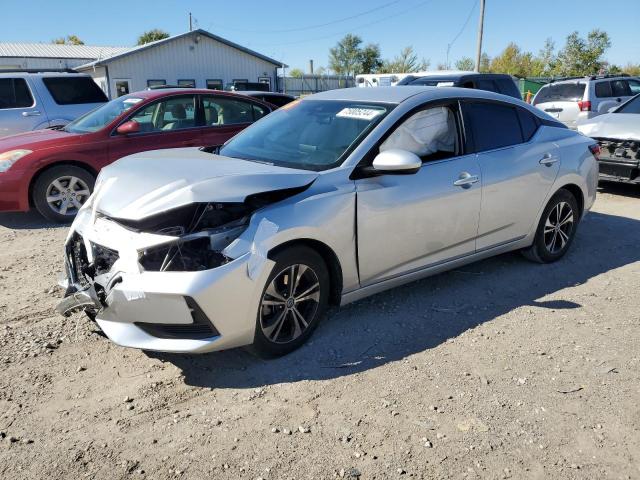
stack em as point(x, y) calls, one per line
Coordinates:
point(424, 133)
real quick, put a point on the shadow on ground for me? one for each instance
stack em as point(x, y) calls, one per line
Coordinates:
point(421, 315)
point(27, 220)
point(617, 188)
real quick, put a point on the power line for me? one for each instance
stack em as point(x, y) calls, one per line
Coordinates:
point(310, 27)
point(366, 25)
point(466, 22)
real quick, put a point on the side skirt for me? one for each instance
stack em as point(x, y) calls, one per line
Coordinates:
point(433, 270)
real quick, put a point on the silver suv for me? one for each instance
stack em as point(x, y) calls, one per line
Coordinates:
point(573, 99)
point(31, 101)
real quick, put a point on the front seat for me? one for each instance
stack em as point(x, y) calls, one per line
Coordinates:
point(179, 114)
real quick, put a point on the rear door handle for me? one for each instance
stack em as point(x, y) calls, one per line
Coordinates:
point(465, 180)
point(548, 160)
point(32, 113)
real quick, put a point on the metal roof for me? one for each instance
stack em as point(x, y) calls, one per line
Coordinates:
point(52, 50)
point(199, 31)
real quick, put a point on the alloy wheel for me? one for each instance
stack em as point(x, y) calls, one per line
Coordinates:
point(65, 195)
point(289, 304)
point(558, 227)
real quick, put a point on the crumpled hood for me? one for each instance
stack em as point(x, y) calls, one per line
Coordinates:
point(621, 126)
point(149, 183)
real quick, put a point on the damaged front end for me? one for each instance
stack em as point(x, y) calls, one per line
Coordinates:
point(191, 238)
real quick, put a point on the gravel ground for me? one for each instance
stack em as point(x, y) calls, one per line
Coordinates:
point(503, 369)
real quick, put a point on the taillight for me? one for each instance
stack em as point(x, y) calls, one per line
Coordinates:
point(584, 106)
point(595, 150)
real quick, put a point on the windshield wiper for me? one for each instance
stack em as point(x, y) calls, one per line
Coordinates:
point(56, 127)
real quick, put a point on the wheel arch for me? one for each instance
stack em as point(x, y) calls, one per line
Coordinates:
point(578, 194)
point(45, 168)
point(329, 257)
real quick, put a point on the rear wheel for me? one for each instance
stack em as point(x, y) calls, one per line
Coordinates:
point(293, 302)
point(60, 191)
point(556, 229)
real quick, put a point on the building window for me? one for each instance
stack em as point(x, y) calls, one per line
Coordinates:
point(214, 84)
point(156, 83)
point(186, 82)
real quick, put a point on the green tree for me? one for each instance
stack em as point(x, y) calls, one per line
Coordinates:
point(582, 56)
point(406, 62)
point(296, 73)
point(345, 57)
point(632, 69)
point(546, 62)
point(152, 36)
point(370, 60)
point(465, 63)
point(68, 40)
point(485, 63)
point(513, 61)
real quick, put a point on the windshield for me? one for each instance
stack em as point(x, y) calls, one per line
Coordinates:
point(101, 116)
point(310, 134)
point(632, 106)
point(560, 92)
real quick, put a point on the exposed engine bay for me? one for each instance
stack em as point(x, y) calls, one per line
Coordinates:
point(619, 160)
point(196, 236)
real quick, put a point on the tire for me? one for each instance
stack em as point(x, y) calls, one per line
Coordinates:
point(551, 242)
point(69, 185)
point(279, 329)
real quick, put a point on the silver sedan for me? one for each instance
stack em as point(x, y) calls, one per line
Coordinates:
point(328, 200)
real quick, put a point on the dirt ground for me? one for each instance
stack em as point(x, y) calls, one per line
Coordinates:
point(503, 369)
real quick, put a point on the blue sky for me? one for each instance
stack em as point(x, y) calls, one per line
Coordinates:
point(296, 31)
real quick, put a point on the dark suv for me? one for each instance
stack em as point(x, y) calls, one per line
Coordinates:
point(493, 82)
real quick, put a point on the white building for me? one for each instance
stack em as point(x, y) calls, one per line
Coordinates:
point(49, 56)
point(196, 58)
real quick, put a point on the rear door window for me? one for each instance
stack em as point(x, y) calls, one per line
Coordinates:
point(603, 89)
point(486, 84)
point(14, 93)
point(228, 111)
point(560, 92)
point(493, 125)
point(506, 86)
point(74, 90)
point(528, 123)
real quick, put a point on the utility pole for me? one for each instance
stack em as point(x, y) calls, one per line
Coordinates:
point(480, 27)
point(190, 23)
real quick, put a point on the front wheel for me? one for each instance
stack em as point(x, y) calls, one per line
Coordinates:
point(59, 192)
point(293, 302)
point(556, 229)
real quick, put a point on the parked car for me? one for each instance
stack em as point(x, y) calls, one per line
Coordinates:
point(55, 169)
point(32, 101)
point(580, 98)
point(618, 134)
point(333, 198)
point(491, 82)
point(276, 99)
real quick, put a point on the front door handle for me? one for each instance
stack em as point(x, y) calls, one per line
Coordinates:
point(547, 160)
point(465, 180)
point(32, 113)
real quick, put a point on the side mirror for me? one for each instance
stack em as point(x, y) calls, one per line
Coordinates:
point(396, 161)
point(128, 127)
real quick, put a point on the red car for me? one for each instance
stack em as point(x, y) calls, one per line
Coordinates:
point(54, 170)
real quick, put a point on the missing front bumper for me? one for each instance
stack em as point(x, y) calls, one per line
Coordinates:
point(81, 301)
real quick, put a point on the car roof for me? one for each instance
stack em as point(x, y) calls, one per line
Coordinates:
point(397, 95)
point(163, 92)
point(10, 74)
point(258, 92)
